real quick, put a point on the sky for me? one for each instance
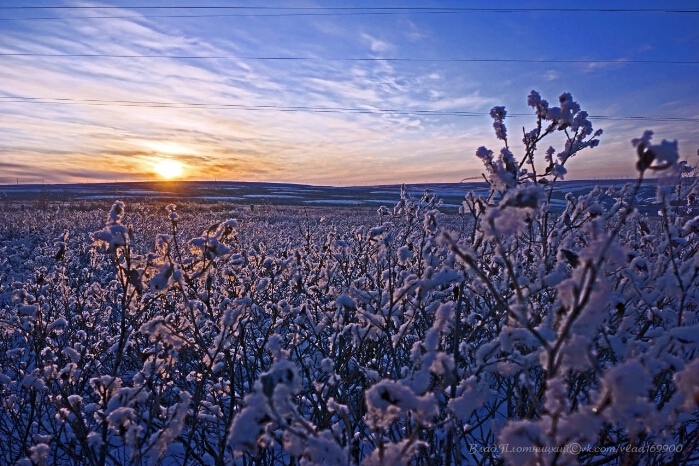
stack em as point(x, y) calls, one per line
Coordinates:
point(331, 93)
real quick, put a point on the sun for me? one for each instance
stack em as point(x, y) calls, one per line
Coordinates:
point(169, 169)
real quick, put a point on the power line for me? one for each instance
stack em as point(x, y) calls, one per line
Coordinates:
point(216, 15)
point(353, 8)
point(620, 61)
point(160, 104)
point(247, 11)
point(304, 108)
point(236, 15)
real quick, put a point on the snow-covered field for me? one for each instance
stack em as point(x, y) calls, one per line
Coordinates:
point(236, 332)
point(451, 194)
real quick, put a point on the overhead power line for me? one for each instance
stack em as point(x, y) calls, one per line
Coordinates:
point(161, 104)
point(245, 11)
point(301, 108)
point(350, 8)
point(388, 59)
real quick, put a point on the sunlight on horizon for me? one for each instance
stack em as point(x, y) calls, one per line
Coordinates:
point(169, 169)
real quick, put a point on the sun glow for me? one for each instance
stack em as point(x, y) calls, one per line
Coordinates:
point(169, 169)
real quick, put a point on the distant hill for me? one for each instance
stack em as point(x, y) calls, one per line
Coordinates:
point(257, 193)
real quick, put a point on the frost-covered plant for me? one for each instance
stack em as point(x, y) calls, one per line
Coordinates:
point(568, 334)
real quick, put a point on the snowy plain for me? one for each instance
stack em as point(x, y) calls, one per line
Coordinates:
point(178, 324)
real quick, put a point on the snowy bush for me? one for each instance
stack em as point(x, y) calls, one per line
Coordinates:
point(513, 333)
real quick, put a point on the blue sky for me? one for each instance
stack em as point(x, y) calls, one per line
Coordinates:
point(334, 110)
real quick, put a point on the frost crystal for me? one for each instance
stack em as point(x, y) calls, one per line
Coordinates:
point(387, 401)
point(498, 114)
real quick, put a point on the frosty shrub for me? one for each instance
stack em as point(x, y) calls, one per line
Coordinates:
point(514, 333)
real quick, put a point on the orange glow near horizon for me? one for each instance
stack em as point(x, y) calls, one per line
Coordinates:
point(169, 169)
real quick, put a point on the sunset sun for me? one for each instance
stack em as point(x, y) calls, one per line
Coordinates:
point(169, 169)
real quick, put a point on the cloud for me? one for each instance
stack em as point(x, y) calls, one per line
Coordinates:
point(551, 75)
point(470, 102)
point(376, 45)
point(121, 138)
point(415, 33)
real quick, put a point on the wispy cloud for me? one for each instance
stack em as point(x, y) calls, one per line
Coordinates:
point(114, 116)
point(376, 45)
point(415, 33)
point(472, 102)
point(551, 75)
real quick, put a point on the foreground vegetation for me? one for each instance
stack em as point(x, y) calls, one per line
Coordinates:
point(505, 334)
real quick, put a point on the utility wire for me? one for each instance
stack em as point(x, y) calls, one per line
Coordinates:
point(303, 108)
point(388, 59)
point(247, 11)
point(354, 8)
point(231, 15)
point(160, 104)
